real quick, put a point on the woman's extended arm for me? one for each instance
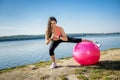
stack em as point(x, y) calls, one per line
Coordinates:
point(63, 37)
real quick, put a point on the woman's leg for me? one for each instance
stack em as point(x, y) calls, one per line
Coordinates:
point(53, 58)
point(52, 47)
point(86, 40)
point(77, 40)
point(73, 40)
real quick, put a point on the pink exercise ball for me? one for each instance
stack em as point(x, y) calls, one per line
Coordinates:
point(86, 53)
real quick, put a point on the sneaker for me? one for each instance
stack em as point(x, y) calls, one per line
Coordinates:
point(97, 43)
point(53, 65)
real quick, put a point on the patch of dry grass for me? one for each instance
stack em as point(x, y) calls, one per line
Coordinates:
point(44, 77)
point(11, 69)
point(63, 77)
point(42, 63)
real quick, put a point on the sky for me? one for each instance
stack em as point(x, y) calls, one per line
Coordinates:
point(30, 17)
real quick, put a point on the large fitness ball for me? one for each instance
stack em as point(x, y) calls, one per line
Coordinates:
point(86, 53)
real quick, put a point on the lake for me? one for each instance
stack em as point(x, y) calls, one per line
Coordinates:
point(17, 53)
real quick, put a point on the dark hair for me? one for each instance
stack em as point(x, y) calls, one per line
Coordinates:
point(52, 18)
point(49, 32)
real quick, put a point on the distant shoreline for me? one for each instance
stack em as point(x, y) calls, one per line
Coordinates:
point(32, 37)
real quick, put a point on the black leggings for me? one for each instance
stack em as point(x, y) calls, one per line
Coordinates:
point(54, 44)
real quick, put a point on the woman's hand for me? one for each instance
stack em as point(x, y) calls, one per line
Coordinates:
point(54, 37)
point(47, 42)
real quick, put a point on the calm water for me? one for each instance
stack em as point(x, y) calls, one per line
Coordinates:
point(16, 53)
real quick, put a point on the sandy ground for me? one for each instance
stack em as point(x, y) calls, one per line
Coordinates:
point(65, 67)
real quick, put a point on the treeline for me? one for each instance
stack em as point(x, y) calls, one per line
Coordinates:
point(30, 37)
point(21, 37)
point(92, 34)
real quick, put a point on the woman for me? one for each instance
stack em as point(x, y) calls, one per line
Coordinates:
point(56, 35)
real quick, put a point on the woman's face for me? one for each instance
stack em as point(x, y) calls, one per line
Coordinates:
point(53, 24)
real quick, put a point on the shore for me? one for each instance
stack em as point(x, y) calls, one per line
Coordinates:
point(108, 68)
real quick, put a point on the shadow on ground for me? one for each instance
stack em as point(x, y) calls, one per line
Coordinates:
point(108, 65)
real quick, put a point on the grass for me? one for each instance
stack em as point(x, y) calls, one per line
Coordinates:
point(63, 77)
point(106, 78)
point(81, 71)
point(102, 75)
point(66, 58)
point(45, 63)
point(44, 77)
point(98, 72)
point(113, 48)
point(39, 64)
point(106, 51)
point(11, 69)
point(82, 77)
point(42, 63)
